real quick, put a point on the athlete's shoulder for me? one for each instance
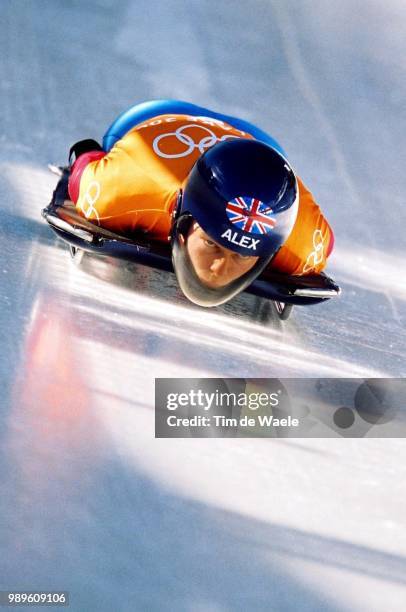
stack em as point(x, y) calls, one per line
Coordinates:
point(310, 242)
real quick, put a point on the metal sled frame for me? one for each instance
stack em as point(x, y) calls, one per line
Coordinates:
point(80, 233)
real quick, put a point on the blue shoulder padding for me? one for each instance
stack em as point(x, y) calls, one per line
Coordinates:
point(146, 110)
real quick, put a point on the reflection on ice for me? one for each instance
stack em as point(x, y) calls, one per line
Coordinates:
point(141, 311)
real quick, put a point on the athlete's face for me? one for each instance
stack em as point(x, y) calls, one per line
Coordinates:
point(214, 265)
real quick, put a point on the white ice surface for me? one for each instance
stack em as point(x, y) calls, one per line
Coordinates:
point(90, 502)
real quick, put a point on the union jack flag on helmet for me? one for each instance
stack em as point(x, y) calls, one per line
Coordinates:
point(250, 215)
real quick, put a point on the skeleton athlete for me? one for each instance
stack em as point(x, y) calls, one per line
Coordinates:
point(220, 189)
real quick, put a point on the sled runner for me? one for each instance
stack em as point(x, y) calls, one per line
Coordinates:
point(83, 235)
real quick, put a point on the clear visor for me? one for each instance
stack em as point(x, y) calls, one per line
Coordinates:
point(199, 290)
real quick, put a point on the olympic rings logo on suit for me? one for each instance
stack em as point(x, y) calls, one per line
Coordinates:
point(90, 198)
point(204, 143)
point(317, 255)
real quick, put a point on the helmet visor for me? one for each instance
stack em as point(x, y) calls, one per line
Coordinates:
point(195, 285)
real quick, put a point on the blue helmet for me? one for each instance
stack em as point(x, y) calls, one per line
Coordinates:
point(244, 195)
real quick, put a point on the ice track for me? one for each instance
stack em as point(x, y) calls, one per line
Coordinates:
point(90, 502)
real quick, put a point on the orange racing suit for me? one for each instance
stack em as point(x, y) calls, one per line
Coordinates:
point(134, 186)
